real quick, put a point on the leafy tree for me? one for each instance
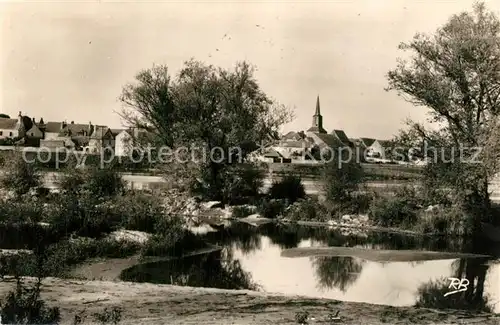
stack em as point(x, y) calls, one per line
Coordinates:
point(342, 178)
point(222, 113)
point(454, 73)
point(20, 176)
point(4, 115)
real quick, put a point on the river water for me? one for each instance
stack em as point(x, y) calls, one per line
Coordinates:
point(252, 259)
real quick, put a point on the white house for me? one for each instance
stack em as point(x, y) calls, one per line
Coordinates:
point(123, 143)
point(14, 128)
point(8, 128)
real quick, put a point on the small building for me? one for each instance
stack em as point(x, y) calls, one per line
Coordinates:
point(101, 138)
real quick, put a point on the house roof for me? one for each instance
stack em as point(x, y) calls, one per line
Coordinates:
point(340, 134)
point(35, 130)
point(7, 123)
point(385, 143)
point(316, 129)
point(99, 132)
point(293, 144)
point(115, 132)
point(292, 135)
point(272, 153)
point(330, 140)
point(53, 127)
point(367, 141)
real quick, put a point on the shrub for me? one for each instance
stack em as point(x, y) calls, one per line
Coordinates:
point(242, 183)
point(448, 220)
point(242, 211)
point(309, 209)
point(138, 211)
point(81, 215)
point(289, 188)
point(20, 211)
point(271, 208)
point(432, 295)
point(64, 255)
point(342, 179)
point(98, 182)
point(20, 176)
point(24, 306)
point(392, 212)
point(172, 244)
point(109, 316)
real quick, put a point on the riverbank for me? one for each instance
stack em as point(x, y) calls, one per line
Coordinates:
point(165, 304)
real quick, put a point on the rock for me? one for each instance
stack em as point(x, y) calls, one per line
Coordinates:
point(346, 218)
point(363, 218)
point(130, 235)
point(202, 230)
point(254, 216)
point(211, 205)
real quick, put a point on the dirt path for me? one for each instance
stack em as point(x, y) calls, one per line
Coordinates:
point(165, 304)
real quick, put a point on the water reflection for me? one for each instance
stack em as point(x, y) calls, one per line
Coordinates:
point(251, 259)
point(217, 269)
point(339, 272)
point(431, 294)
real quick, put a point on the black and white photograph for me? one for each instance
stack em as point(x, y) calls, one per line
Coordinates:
point(250, 162)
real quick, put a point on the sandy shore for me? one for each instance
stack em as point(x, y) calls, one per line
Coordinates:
point(166, 304)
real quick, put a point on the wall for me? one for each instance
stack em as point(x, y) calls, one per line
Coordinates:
point(7, 133)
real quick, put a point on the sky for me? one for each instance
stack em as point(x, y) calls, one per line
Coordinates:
point(69, 61)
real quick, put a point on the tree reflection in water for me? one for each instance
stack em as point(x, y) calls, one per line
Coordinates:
point(337, 272)
point(216, 270)
point(431, 294)
point(243, 237)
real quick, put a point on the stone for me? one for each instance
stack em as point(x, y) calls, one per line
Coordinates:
point(346, 217)
point(211, 205)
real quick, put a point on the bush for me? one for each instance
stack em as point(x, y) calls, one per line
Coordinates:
point(307, 210)
point(242, 211)
point(24, 306)
point(342, 180)
point(109, 316)
point(243, 183)
point(138, 211)
point(392, 212)
point(443, 221)
point(20, 211)
point(289, 188)
point(271, 208)
point(82, 215)
point(64, 255)
point(20, 176)
point(432, 295)
point(173, 244)
point(98, 182)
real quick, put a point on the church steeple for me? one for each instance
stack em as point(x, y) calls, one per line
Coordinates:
point(317, 124)
point(317, 107)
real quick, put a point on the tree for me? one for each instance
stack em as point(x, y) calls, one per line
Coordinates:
point(4, 115)
point(222, 113)
point(455, 73)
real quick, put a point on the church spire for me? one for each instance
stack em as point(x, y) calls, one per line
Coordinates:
point(317, 123)
point(317, 107)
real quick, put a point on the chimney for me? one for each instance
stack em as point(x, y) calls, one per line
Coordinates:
point(41, 121)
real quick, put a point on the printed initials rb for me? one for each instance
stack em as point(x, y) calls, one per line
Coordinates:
point(458, 285)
